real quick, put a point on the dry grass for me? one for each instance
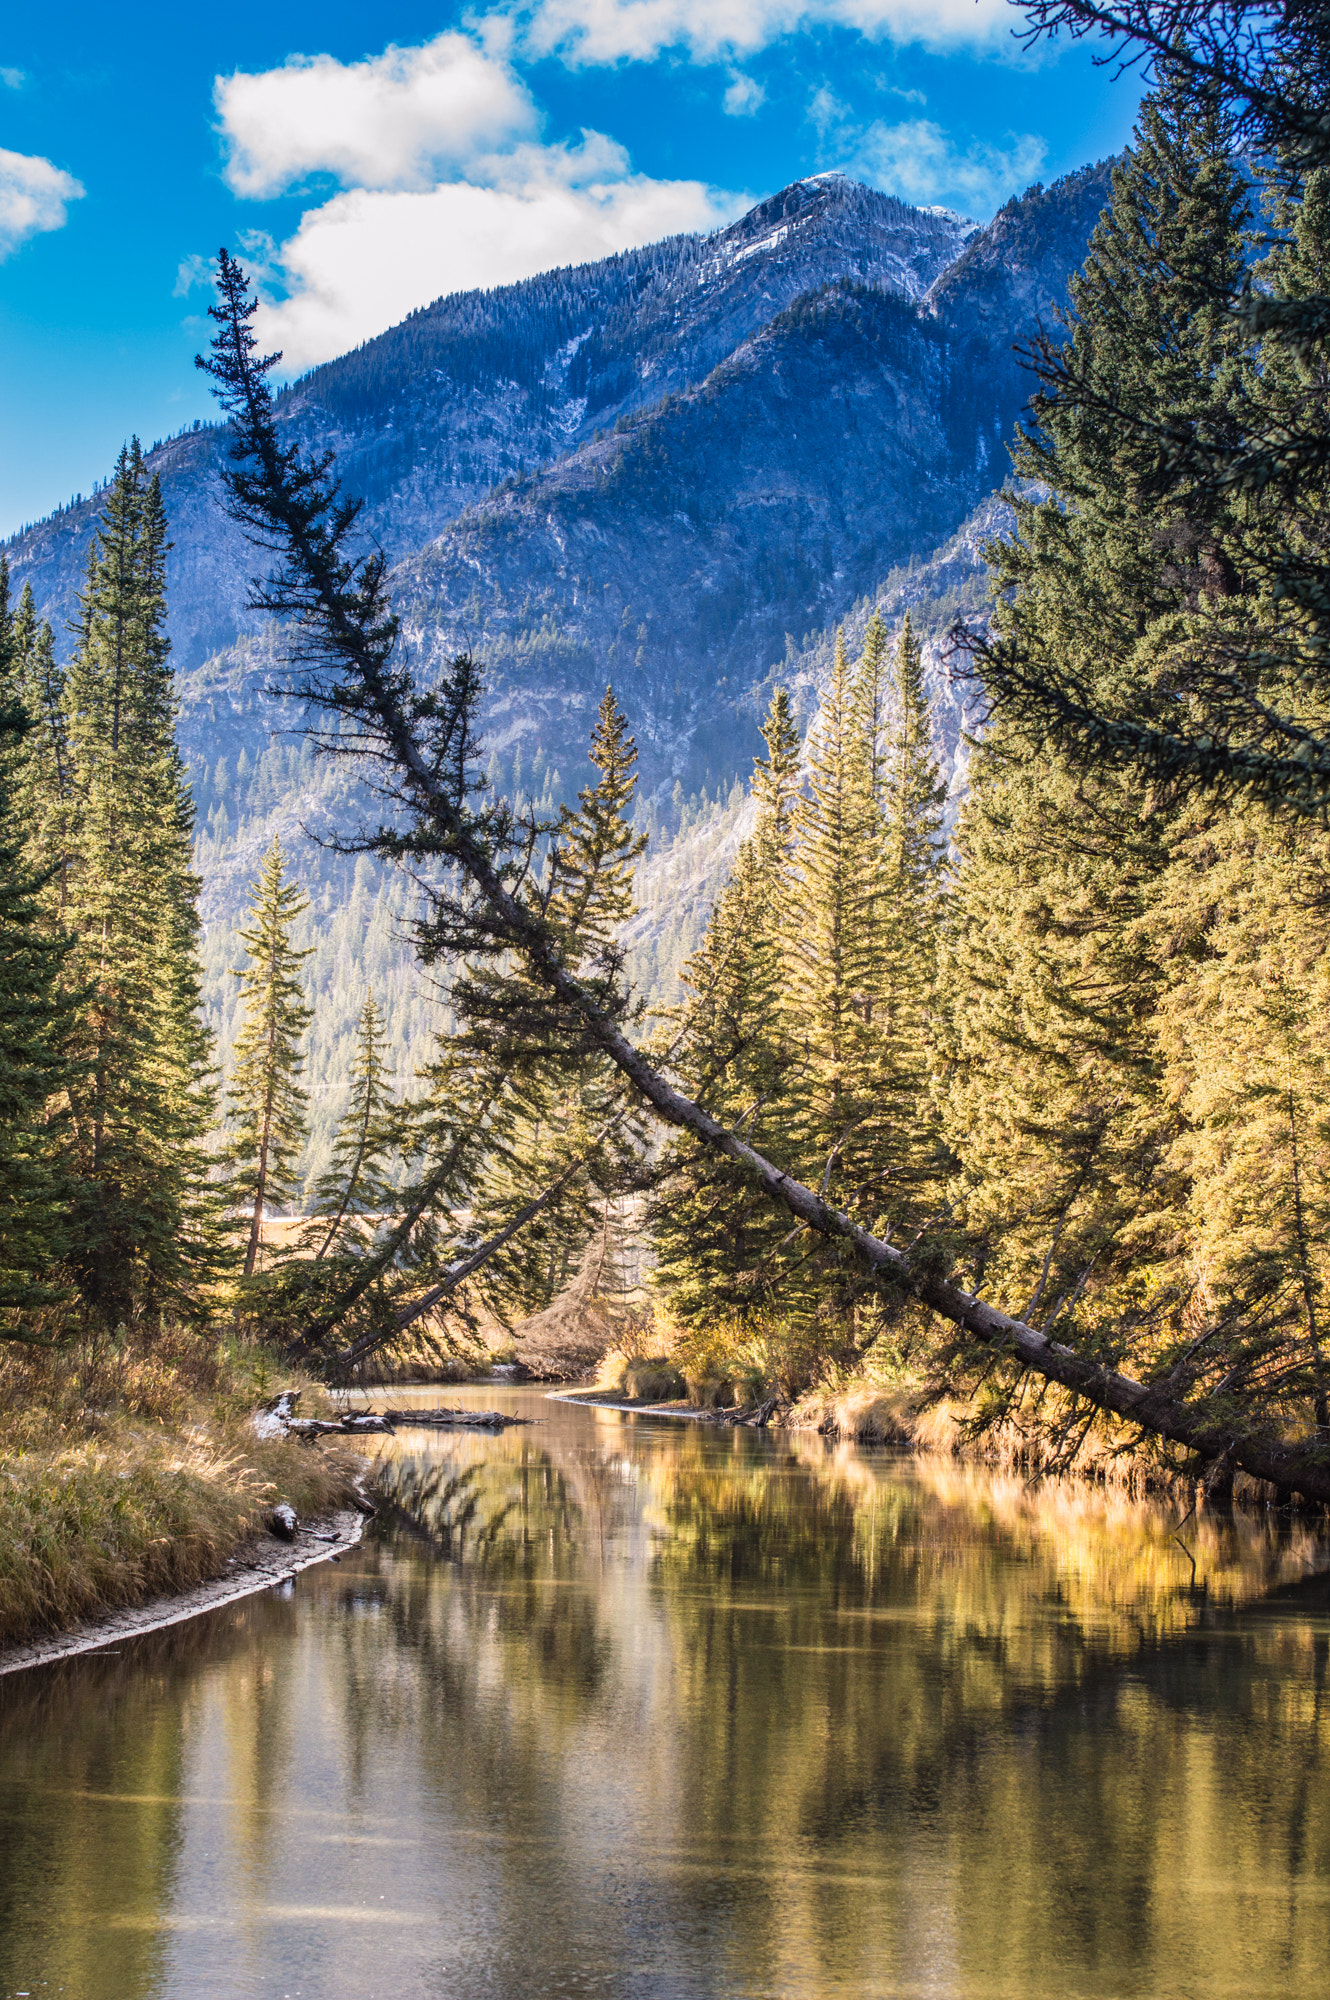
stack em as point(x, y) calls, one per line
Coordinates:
point(639, 1376)
point(129, 1472)
point(867, 1412)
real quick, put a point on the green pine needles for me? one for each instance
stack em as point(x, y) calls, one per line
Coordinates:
point(266, 1103)
point(36, 1021)
point(103, 799)
point(356, 1193)
point(811, 1024)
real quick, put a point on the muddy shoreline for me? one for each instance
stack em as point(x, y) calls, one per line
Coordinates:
point(256, 1566)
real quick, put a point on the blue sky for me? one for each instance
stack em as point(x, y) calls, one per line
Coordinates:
point(365, 160)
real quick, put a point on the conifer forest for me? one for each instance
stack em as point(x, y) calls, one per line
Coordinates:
point(1061, 1052)
point(665, 1036)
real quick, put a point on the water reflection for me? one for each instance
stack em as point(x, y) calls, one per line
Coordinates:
point(625, 1708)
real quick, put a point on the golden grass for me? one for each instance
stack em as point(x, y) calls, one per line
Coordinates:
point(131, 1471)
point(865, 1411)
point(639, 1376)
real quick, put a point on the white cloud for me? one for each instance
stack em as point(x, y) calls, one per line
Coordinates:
point(394, 121)
point(607, 31)
point(744, 96)
point(364, 260)
point(921, 163)
point(33, 194)
point(445, 186)
point(827, 112)
point(13, 79)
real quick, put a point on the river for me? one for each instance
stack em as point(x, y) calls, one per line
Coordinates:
point(609, 1705)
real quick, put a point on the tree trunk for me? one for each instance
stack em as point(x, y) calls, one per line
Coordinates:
point(1152, 1406)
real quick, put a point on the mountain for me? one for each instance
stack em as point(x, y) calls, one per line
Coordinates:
point(480, 386)
point(684, 554)
point(675, 468)
point(694, 848)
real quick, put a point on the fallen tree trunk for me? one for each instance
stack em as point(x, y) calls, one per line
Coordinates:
point(360, 1423)
point(293, 506)
point(1290, 1468)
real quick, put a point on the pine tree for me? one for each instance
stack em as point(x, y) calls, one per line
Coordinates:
point(910, 792)
point(1059, 1102)
point(834, 963)
point(1057, 1105)
point(902, 1127)
point(1111, 578)
point(1244, 1028)
point(356, 1183)
point(872, 700)
point(718, 1241)
point(34, 1030)
point(42, 777)
point(596, 851)
point(266, 1104)
point(555, 1094)
point(122, 820)
point(1161, 656)
point(775, 785)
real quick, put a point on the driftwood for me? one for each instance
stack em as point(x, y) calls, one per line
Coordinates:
point(449, 1420)
point(278, 1418)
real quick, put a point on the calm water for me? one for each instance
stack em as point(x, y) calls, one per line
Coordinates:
point(614, 1706)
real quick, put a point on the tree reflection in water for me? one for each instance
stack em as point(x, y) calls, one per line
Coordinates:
point(619, 1708)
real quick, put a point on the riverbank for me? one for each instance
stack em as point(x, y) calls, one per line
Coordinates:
point(257, 1565)
point(864, 1412)
point(132, 1475)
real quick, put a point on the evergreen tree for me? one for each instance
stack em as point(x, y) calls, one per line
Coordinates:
point(556, 1093)
point(718, 1241)
point(596, 850)
point(834, 938)
point(1059, 1102)
point(1157, 426)
point(42, 777)
point(910, 793)
point(34, 1031)
point(122, 818)
point(266, 1104)
point(1244, 1029)
point(904, 925)
point(809, 1021)
point(872, 699)
point(775, 786)
point(356, 1182)
point(1111, 579)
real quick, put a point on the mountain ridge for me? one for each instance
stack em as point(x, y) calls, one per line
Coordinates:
point(711, 535)
point(427, 417)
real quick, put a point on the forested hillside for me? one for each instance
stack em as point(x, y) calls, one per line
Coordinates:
point(709, 452)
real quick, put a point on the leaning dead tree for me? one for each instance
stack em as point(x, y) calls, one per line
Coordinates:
point(419, 747)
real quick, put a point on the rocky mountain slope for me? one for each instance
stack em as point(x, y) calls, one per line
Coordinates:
point(677, 469)
point(480, 386)
point(685, 554)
